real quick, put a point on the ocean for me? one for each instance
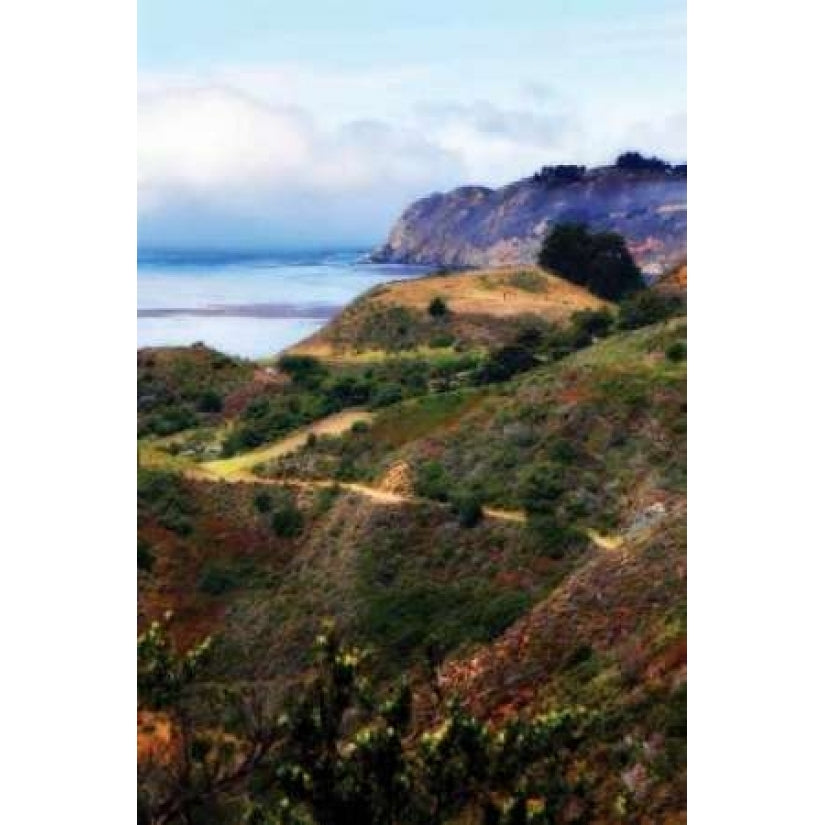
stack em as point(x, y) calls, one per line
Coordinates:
point(251, 304)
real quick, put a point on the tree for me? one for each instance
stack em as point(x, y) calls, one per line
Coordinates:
point(502, 364)
point(341, 753)
point(210, 402)
point(469, 509)
point(438, 308)
point(635, 161)
point(598, 261)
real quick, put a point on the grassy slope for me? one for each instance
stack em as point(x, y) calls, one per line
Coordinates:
point(523, 629)
point(485, 308)
point(609, 421)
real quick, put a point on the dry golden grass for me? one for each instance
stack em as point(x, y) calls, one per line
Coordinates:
point(497, 294)
point(494, 292)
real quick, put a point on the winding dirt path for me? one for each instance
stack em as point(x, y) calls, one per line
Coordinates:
point(238, 466)
point(238, 470)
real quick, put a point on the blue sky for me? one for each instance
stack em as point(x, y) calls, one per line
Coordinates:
point(278, 124)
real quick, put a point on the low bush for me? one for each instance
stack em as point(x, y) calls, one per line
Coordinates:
point(286, 521)
point(145, 556)
point(431, 481)
point(210, 402)
point(438, 308)
point(646, 308)
point(263, 502)
point(676, 352)
point(502, 364)
point(217, 579)
point(469, 510)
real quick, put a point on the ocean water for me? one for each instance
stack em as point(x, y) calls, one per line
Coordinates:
point(252, 304)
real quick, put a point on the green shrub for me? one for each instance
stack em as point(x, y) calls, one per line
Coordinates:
point(676, 352)
point(386, 395)
point(162, 494)
point(469, 510)
point(438, 308)
point(645, 308)
point(217, 580)
point(304, 370)
point(553, 539)
point(263, 502)
point(210, 402)
point(287, 521)
point(431, 481)
point(540, 488)
point(441, 341)
point(502, 364)
point(592, 322)
point(145, 556)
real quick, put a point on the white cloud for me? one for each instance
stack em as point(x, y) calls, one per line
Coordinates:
point(286, 154)
point(211, 153)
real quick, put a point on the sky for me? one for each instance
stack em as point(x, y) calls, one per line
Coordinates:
point(288, 124)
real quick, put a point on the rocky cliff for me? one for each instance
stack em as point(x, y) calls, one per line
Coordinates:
point(476, 226)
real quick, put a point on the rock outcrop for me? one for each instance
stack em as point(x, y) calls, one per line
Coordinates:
point(474, 226)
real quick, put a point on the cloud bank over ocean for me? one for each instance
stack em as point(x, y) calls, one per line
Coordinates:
point(328, 147)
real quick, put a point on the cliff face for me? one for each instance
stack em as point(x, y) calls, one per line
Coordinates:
point(477, 226)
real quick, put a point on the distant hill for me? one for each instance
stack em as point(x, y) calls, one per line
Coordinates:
point(643, 199)
point(484, 308)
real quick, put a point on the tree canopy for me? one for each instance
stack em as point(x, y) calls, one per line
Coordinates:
point(599, 261)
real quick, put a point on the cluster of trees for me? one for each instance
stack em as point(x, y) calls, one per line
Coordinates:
point(598, 261)
point(315, 391)
point(563, 173)
point(341, 753)
point(636, 162)
point(539, 343)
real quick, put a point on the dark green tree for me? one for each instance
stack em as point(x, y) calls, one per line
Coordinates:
point(599, 261)
point(438, 308)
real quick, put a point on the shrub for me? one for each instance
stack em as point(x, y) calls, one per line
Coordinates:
point(469, 509)
point(592, 322)
point(145, 556)
point(677, 351)
point(552, 538)
point(263, 502)
point(431, 481)
point(210, 402)
point(287, 520)
point(438, 308)
point(599, 261)
point(441, 341)
point(502, 364)
point(645, 308)
point(540, 488)
point(360, 427)
point(216, 580)
point(302, 369)
point(386, 395)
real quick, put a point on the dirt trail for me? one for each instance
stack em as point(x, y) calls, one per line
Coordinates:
point(238, 470)
point(238, 466)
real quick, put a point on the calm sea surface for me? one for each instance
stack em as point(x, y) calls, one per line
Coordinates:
point(248, 304)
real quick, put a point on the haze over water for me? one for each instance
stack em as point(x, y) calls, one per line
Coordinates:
point(252, 304)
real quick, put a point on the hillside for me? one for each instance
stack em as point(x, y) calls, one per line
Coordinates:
point(484, 308)
point(477, 226)
point(511, 546)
